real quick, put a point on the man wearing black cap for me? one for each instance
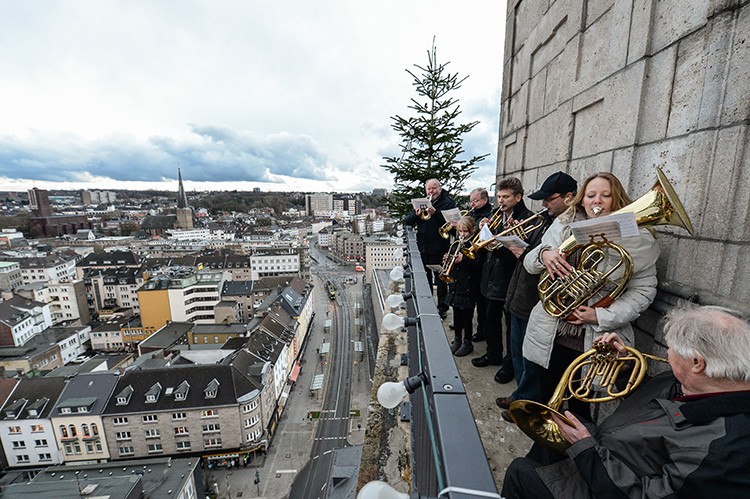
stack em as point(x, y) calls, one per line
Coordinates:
point(556, 191)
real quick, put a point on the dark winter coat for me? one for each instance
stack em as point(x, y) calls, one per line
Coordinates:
point(429, 241)
point(499, 264)
point(464, 291)
point(522, 293)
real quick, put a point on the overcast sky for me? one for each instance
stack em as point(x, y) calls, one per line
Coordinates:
point(280, 95)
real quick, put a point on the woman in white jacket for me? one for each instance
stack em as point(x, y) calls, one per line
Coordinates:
point(553, 343)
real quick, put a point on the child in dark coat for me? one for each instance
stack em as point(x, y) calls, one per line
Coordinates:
point(464, 290)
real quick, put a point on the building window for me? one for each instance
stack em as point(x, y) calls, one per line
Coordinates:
point(210, 413)
point(153, 433)
point(179, 416)
point(154, 448)
point(122, 435)
point(85, 429)
point(19, 444)
point(125, 450)
point(40, 443)
point(212, 442)
point(23, 458)
point(252, 421)
point(211, 428)
point(37, 428)
point(14, 430)
point(150, 418)
point(63, 431)
point(119, 420)
point(45, 457)
point(181, 430)
point(249, 407)
point(183, 445)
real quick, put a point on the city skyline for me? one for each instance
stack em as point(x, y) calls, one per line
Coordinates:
point(99, 95)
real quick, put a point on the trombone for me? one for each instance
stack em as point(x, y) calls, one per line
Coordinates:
point(450, 260)
point(522, 229)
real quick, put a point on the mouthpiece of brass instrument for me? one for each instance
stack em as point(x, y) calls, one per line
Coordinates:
point(597, 210)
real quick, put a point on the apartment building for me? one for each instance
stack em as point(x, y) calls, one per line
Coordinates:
point(26, 430)
point(21, 319)
point(77, 417)
point(183, 409)
point(108, 288)
point(182, 295)
point(67, 300)
point(59, 266)
point(10, 275)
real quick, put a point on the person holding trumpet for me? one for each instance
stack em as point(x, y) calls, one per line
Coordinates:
point(463, 276)
point(431, 245)
point(684, 433)
point(496, 274)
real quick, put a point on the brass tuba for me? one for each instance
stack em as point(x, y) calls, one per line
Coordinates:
point(561, 295)
point(600, 367)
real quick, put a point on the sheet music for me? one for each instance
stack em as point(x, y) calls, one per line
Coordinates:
point(452, 215)
point(435, 268)
point(512, 241)
point(613, 227)
point(485, 233)
point(421, 203)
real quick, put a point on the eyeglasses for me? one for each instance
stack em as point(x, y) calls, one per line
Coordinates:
point(551, 198)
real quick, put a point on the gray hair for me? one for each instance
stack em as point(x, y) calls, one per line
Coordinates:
point(718, 335)
point(482, 193)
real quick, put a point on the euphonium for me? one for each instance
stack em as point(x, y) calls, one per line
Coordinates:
point(561, 295)
point(600, 367)
point(522, 229)
point(446, 228)
point(450, 261)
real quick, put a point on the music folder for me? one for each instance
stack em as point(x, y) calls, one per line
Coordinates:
point(612, 227)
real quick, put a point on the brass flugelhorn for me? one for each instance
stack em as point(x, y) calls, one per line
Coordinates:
point(522, 229)
point(561, 295)
point(450, 260)
point(600, 369)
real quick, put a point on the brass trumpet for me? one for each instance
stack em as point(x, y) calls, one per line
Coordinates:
point(602, 366)
point(522, 229)
point(446, 228)
point(561, 295)
point(422, 211)
point(450, 261)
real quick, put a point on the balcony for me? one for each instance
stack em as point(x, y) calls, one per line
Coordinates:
point(460, 446)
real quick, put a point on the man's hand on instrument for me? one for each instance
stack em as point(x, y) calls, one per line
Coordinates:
point(584, 315)
point(517, 250)
point(614, 340)
point(571, 433)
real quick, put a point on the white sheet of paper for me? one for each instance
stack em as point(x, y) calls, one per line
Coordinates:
point(452, 215)
point(613, 227)
point(512, 241)
point(435, 268)
point(485, 233)
point(422, 203)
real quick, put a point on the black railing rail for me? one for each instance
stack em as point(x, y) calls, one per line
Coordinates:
point(448, 458)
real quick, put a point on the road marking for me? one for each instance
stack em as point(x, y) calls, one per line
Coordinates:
point(286, 471)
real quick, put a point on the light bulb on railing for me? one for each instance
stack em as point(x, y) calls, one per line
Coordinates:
point(391, 393)
point(397, 274)
point(395, 300)
point(392, 321)
point(399, 233)
point(380, 490)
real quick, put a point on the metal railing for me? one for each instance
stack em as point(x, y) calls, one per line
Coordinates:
point(448, 458)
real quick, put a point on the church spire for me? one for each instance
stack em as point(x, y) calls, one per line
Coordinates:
point(181, 196)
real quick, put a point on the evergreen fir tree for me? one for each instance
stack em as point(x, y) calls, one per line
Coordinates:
point(431, 139)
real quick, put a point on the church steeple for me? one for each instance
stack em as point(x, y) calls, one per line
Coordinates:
point(181, 196)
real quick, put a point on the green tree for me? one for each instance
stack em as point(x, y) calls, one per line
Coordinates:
point(431, 140)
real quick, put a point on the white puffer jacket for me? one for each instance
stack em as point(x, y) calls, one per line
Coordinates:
point(638, 295)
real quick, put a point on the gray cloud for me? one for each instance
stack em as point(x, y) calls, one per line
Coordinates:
point(207, 153)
